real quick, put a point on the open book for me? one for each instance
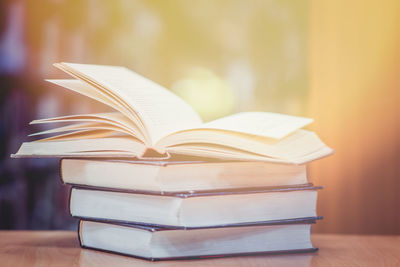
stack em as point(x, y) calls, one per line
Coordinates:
point(150, 118)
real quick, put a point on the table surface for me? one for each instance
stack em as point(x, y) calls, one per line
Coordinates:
point(61, 248)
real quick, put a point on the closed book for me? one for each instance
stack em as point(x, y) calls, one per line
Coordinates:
point(153, 243)
point(178, 176)
point(185, 210)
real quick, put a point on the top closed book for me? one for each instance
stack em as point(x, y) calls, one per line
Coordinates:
point(180, 176)
point(151, 120)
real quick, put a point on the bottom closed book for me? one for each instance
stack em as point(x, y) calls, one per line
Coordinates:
point(167, 244)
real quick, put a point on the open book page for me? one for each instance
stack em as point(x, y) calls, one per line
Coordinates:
point(67, 128)
point(101, 120)
point(84, 127)
point(228, 153)
point(161, 111)
point(220, 152)
point(81, 135)
point(85, 89)
point(298, 148)
point(296, 145)
point(266, 124)
point(238, 128)
point(90, 91)
point(92, 147)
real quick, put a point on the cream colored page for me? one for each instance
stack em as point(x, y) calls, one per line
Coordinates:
point(299, 143)
point(112, 119)
point(300, 147)
point(78, 147)
point(161, 111)
point(67, 128)
point(84, 127)
point(80, 135)
point(225, 153)
point(85, 89)
point(90, 91)
point(265, 124)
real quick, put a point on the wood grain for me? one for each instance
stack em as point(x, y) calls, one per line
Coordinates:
point(61, 248)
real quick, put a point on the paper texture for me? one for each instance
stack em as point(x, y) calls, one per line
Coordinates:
point(266, 124)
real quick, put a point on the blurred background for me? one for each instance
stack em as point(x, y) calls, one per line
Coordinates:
point(335, 61)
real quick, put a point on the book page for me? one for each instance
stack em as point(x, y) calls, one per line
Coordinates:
point(269, 147)
point(248, 131)
point(266, 124)
point(161, 111)
point(90, 91)
point(93, 147)
point(80, 135)
point(84, 127)
point(299, 147)
point(111, 119)
point(87, 90)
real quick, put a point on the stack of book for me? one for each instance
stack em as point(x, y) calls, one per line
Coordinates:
point(152, 181)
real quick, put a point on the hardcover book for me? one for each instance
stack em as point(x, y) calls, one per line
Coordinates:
point(153, 243)
point(151, 120)
point(194, 210)
point(180, 176)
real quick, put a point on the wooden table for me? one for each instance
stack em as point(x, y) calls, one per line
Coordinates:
point(61, 248)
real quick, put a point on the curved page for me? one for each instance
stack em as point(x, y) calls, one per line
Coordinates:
point(161, 111)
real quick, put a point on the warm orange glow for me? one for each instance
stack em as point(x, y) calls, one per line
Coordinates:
point(334, 60)
point(355, 100)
